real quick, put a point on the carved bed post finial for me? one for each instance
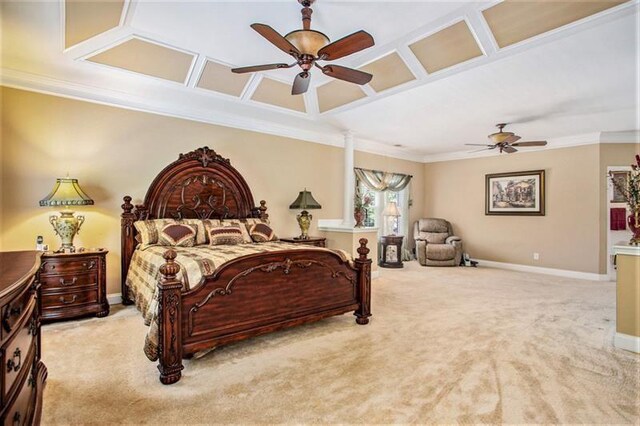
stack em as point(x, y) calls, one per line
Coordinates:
point(363, 264)
point(128, 245)
point(263, 210)
point(170, 321)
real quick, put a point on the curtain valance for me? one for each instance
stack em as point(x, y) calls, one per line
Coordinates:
point(376, 180)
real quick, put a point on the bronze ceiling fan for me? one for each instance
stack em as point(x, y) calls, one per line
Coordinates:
point(308, 46)
point(506, 141)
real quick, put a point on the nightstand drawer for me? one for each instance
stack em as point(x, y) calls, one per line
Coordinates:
point(58, 266)
point(55, 283)
point(18, 351)
point(67, 299)
point(13, 311)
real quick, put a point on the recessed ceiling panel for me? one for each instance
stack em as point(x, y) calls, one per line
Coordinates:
point(450, 46)
point(337, 93)
point(389, 71)
point(86, 18)
point(276, 93)
point(219, 78)
point(514, 21)
point(147, 58)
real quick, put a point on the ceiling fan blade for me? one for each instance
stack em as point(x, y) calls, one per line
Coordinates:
point(480, 144)
point(511, 139)
point(509, 149)
point(346, 74)
point(478, 150)
point(530, 143)
point(276, 39)
point(301, 83)
point(256, 68)
point(346, 46)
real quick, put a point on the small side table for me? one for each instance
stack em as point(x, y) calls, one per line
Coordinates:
point(74, 285)
point(391, 253)
point(311, 241)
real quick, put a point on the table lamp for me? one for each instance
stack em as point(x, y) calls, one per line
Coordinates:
point(391, 211)
point(66, 192)
point(305, 201)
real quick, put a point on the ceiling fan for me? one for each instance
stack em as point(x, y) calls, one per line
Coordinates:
point(308, 46)
point(506, 141)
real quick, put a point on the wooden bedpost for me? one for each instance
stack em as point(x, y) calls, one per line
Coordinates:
point(263, 210)
point(363, 264)
point(170, 321)
point(127, 246)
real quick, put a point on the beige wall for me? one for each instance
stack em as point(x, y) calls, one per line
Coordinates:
point(566, 238)
point(114, 152)
point(619, 154)
point(573, 233)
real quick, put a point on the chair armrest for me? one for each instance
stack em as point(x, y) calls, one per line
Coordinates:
point(451, 239)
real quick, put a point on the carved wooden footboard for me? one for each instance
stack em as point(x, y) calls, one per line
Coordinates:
point(257, 294)
point(247, 296)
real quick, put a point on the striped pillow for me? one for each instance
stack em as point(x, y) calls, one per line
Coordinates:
point(178, 235)
point(240, 223)
point(225, 235)
point(261, 233)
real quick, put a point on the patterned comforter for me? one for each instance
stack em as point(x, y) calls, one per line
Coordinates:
point(195, 263)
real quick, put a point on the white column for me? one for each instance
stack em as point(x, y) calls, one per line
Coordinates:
point(349, 180)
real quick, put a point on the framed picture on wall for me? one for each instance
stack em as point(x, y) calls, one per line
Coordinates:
point(621, 177)
point(515, 193)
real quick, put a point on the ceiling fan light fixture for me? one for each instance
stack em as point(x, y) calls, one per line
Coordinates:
point(501, 136)
point(308, 42)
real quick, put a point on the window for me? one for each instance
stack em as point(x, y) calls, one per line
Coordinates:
point(373, 211)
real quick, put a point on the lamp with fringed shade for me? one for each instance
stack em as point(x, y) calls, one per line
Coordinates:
point(66, 193)
point(304, 201)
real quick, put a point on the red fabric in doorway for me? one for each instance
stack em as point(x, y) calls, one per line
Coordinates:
point(618, 219)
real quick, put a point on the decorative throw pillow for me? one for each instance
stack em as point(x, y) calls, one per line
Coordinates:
point(225, 235)
point(208, 224)
point(201, 233)
point(240, 224)
point(178, 235)
point(261, 233)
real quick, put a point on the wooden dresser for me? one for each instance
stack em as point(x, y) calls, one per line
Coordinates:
point(311, 241)
point(74, 285)
point(22, 374)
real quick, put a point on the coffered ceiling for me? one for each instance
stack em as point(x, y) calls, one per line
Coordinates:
point(444, 72)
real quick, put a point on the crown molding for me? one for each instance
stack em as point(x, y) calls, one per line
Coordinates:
point(627, 136)
point(50, 86)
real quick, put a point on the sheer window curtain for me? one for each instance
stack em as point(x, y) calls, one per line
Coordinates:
point(381, 181)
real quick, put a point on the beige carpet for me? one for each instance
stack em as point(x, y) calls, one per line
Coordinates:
point(445, 345)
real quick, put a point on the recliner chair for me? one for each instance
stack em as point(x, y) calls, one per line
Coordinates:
point(435, 243)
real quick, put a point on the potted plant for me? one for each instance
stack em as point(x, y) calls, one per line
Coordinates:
point(630, 191)
point(360, 204)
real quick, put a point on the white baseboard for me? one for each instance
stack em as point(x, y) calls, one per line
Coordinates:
point(626, 342)
point(114, 298)
point(547, 271)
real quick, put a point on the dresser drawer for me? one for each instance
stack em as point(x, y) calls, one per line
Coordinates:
point(64, 266)
point(21, 410)
point(68, 299)
point(19, 350)
point(55, 283)
point(14, 311)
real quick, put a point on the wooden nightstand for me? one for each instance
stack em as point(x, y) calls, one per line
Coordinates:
point(74, 285)
point(311, 241)
point(391, 256)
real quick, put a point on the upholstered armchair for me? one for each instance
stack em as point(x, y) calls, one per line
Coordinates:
point(435, 243)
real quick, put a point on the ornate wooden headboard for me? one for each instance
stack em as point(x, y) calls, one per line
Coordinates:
point(200, 184)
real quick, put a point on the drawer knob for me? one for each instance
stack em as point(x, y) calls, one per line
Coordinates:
point(16, 419)
point(72, 282)
point(66, 302)
point(11, 364)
